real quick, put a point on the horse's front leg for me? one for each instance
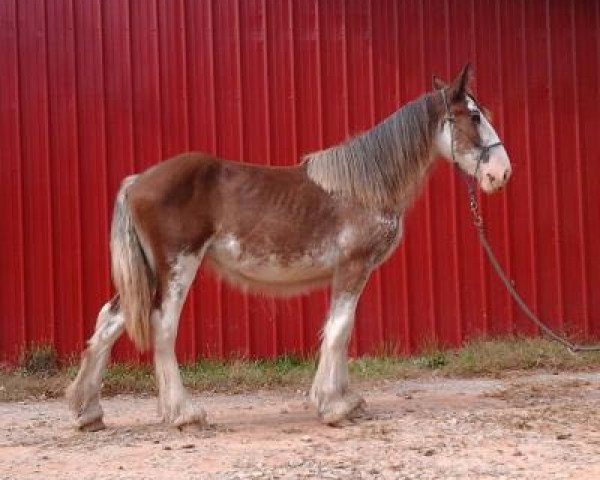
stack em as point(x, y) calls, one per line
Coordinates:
point(330, 393)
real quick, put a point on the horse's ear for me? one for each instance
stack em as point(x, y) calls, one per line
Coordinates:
point(437, 83)
point(461, 82)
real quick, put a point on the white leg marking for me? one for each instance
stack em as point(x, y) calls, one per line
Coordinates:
point(84, 392)
point(330, 386)
point(339, 324)
point(173, 403)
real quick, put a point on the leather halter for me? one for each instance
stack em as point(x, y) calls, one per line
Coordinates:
point(484, 150)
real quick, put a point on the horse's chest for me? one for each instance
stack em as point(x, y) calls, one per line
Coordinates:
point(381, 236)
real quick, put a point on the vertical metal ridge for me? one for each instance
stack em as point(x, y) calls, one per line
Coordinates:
point(238, 64)
point(346, 105)
point(131, 88)
point(265, 33)
point(79, 242)
point(73, 227)
point(23, 284)
point(19, 339)
point(23, 262)
point(508, 305)
point(211, 50)
point(531, 205)
point(159, 82)
point(184, 79)
point(78, 325)
point(597, 30)
point(49, 200)
point(372, 103)
point(579, 193)
point(320, 76)
point(186, 54)
point(553, 171)
point(597, 21)
point(39, 78)
point(159, 79)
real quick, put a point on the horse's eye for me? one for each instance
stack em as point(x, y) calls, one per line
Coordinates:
point(476, 117)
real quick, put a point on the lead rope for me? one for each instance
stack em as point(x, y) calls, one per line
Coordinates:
point(478, 222)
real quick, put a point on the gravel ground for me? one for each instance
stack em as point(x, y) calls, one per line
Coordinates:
point(534, 427)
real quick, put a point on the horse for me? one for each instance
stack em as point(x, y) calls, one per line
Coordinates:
point(329, 220)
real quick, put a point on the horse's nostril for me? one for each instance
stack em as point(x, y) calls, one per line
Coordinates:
point(490, 177)
point(506, 174)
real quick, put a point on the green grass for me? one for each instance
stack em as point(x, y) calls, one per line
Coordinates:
point(38, 375)
point(39, 359)
point(488, 357)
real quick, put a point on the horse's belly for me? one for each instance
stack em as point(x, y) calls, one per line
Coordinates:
point(271, 269)
point(277, 274)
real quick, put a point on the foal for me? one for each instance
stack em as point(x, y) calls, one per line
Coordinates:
point(330, 220)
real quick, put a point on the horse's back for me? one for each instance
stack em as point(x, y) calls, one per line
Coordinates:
point(193, 196)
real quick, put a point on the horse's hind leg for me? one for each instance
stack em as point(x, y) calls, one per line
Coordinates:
point(329, 391)
point(174, 404)
point(83, 393)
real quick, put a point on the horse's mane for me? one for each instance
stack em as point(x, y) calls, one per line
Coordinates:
point(381, 166)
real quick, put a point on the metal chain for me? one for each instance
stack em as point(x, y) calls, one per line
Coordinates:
point(478, 222)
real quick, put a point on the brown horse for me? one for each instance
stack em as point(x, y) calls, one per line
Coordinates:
point(331, 220)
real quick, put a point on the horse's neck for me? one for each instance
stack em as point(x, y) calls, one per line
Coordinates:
point(410, 193)
point(385, 165)
point(420, 172)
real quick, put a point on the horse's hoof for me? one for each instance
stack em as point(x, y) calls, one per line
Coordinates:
point(191, 419)
point(192, 427)
point(346, 408)
point(93, 426)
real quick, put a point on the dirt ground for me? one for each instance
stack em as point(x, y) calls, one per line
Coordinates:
point(536, 427)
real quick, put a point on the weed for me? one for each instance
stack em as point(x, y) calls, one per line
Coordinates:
point(38, 374)
point(433, 360)
point(39, 359)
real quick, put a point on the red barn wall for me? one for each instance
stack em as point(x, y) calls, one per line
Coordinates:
point(91, 91)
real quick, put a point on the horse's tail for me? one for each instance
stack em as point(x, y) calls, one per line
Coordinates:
point(132, 275)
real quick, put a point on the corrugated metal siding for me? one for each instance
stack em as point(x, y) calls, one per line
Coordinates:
point(92, 91)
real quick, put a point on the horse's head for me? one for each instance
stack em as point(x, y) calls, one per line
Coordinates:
point(466, 136)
